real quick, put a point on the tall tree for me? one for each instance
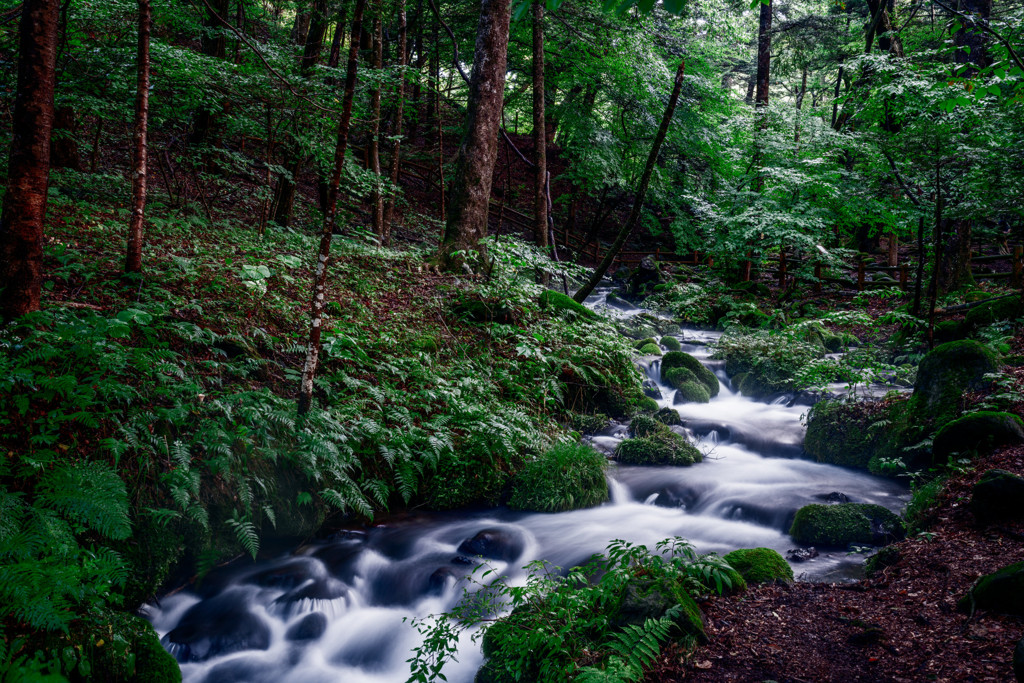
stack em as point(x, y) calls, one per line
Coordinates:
point(641, 191)
point(133, 262)
point(316, 311)
point(21, 221)
point(373, 148)
point(764, 54)
point(540, 170)
point(318, 23)
point(474, 167)
point(396, 122)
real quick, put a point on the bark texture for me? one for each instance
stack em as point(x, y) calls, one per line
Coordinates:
point(373, 149)
point(396, 123)
point(133, 261)
point(471, 186)
point(330, 215)
point(540, 200)
point(21, 221)
point(764, 54)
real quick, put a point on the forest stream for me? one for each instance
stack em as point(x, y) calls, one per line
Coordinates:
point(333, 610)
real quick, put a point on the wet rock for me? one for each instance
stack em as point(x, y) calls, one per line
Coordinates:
point(843, 524)
point(494, 544)
point(801, 554)
point(651, 390)
point(310, 627)
point(463, 560)
point(1001, 591)
point(834, 497)
point(286, 576)
point(340, 558)
point(215, 627)
point(643, 279)
point(439, 580)
point(320, 590)
point(998, 495)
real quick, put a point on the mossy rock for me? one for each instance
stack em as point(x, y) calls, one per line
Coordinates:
point(846, 523)
point(947, 372)
point(564, 304)
point(838, 433)
point(692, 392)
point(668, 416)
point(949, 330)
point(646, 425)
point(665, 448)
point(998, 496)
point(1004, 308)
point(644, 342)
point(679, 359)
point(1000, 591)
point(755, 385)
point(650, 350)
point(674, 377)
point(671, 344)
point(588, 424)
point(977, 434)
point(833, 343)
point(883, 559)
point(643, 405)
point(569, 476)
point(760, 565)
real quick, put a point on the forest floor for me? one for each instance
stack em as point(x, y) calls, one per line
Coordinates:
point(900, 624)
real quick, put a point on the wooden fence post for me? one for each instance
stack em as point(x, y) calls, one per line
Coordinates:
point(860, 276)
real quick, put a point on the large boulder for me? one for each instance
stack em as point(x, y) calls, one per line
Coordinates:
point(977, 434)
point(760, 565)
point(1000, 591)
point(998, 495)
point(503, 544)
point(642, 280)
point(216, 627)
point(838, 433)
point(1002, 308)
point(947, 372)
point(846, 523)
point(680, 359)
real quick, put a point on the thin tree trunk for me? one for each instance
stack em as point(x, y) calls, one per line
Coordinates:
point(330, 215)
point(339, 36)
point(421, 60)
point(540, 170)
point(64, 142)
point(641, 191)
point(133, 261)
point(396, 124)
point(474, 167)
point(373, 149)
point(21, 221)
point(213, 44)
point(314, 37)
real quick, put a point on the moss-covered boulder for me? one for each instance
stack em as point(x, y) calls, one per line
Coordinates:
point(588, 424)
point(664, 448)
point(760, 565)
point(646, 425)
point(1000, 591)
point(846, 523)
point(997, 496)
point(480, 311)
point(839, 433)
point(668, 416)
point(569, 476)
point(1003, 308)
point(671, 344)
point(650, 350)
point(977, 434)
point(947, 372)
point(949, 330)
point(692, 392)
point(644, 342)
point(550, 299)
point(677, 376)
point(678, 359)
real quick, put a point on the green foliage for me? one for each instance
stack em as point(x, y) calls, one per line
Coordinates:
point(604, 621)
point(568, 476)
point(564, 304)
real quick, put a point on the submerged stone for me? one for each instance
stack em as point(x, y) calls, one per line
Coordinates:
point(494, 544)
point(215, 627)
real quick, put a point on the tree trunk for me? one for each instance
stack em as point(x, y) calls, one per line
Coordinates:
point(641, 191)
point(474, 167)
point(540, 170)
point(301, 27)
point(971, 41)
point(287, 183)
point(764, 54)
point(330, 215)
point(64, 143)
point(421, 61)
point(133, 261)
point(955, 263)
point(314, 37)
point(373, 149)
point(213, 44)
point(339, 36)
point(21, 221)
point(396, 124)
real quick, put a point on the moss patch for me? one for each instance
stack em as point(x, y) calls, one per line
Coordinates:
point(650, 350)
point(846, 523)
point(692, 392)
point(678, 359)
point(949, 370)
point(977, 434)
point(760, 565)
point(666, 448)
point(569, 476)
point(671, 344)
point(563, 304)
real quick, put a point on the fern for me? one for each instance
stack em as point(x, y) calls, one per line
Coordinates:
point(90, 495)
point(245, 534)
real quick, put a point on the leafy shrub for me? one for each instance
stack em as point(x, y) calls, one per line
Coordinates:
point(569, 476)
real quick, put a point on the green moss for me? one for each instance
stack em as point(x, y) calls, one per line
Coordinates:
point(644, 342)
point(569, 476)
point(668, 416)
point(674, 377)
point(756, 385)
point(646, 425)
point(846, 523)
point(678, 359)
point(563, 304)
point(1000, 591)
point(946, 372)
point(671, 344)
point(838, 433)
point(833, 342)
point(693, 392)
point(977, 434)
point(588, 424)
point(1005, 308)
point(643, 404)
point(650, 350)
point(949, 330)
point(665, 448)
point(760, 565)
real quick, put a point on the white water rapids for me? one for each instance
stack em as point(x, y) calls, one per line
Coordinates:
point(333, 611)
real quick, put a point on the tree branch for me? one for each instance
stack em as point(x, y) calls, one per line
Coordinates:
point(988, 29)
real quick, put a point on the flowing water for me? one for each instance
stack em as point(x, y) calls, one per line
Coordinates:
point(333, 611)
